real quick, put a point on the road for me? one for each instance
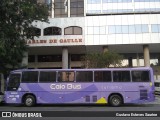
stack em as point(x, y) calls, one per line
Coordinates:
point(85, 112)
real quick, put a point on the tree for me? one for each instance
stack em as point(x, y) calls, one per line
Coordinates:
point(102, 60)
point(15, 27)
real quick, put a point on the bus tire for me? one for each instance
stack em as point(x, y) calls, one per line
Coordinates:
point(115, 100)
point(29, 101)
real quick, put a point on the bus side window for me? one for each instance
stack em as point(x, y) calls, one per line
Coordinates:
point(121, 76)
point(116, 76)
point(84, 76)
point(145, 76)
point(140, 76)
point(47, 76)
point(66, 76)
point(102, 76)
point(30, 76)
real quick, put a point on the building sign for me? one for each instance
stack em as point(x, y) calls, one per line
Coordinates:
point(54, 41)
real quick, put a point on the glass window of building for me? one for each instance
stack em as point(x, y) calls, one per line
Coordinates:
point(44, 1)
point(73, 30)
point(155, 28)
point(138, 28)
point(49, 58)
point(125, 29)
point(132, 29)
point(33, 31)
point(52, 31)
point(77, 57)
point(93, 1)
point(96, 30)
point(36, 31)
point(60, 8)
point(115, 1)
point(77, 8)
point(145, 28)
point(31, 58)
point(144, 0)
point(118, 29)
point(102, 30)
point(112, 29)
point(47, 2)
point(93, 11)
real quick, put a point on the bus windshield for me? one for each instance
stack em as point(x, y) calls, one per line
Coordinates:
point(14, 82)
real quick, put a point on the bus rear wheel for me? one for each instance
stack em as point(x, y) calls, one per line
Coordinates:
point(29, 100)
point(115, 100)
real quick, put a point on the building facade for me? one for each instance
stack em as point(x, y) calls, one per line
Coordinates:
point(77, 27)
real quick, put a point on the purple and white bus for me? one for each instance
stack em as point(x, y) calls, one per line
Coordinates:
point(114, 86)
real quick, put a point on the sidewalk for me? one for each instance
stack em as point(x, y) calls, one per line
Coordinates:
point(157, 100)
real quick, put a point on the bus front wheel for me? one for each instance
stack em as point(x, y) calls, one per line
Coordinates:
point(29, 100)
point(115, 100)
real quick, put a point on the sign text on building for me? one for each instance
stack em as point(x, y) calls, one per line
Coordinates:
point(54, 41)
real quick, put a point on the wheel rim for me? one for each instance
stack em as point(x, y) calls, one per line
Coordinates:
point(29, 101)
point(115, 101)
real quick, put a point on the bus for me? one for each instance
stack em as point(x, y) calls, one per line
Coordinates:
point(113, 86)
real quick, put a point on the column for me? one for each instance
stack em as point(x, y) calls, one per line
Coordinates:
point(138, 63)
point(105, 48)
point(52, 9)
point(68, 8)
point(146, 55)
point(42, 32)
point(64, 58)
point(130, 63)
point(25, 60)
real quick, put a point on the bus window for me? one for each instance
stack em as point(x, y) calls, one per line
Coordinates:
point(47, 76)
point(84, 76)
point(102, 76)
point(30, 77)
point(14, 82)
point(66, 76)
point(140, 76)
point(121, 76)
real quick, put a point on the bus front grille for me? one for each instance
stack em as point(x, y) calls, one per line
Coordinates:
point(143, 95)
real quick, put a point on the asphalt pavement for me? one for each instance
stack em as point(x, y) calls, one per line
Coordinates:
point(83, 112)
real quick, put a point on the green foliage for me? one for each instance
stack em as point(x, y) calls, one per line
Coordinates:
point(102, 60)
point(15, 22)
